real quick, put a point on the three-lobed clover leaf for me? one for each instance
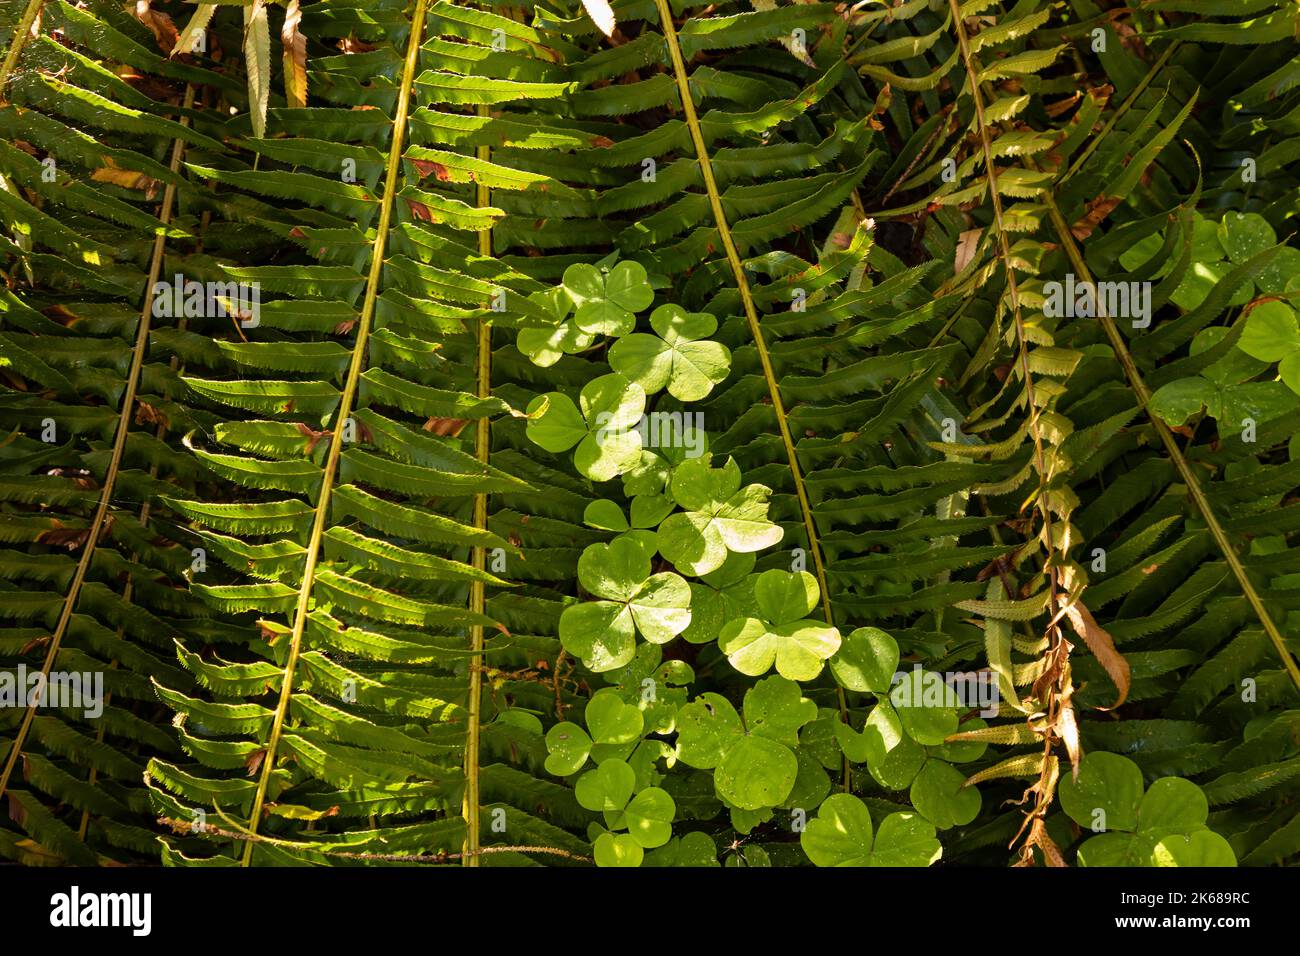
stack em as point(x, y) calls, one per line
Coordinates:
point(842, 834)
point(603, 425)
point(1165, 826)
point(654, 686)
point(940, 795)
point(647, 512)
point(866, 661)
point(647, 814)
point(607, 302)
point(782, 634)
point(753, 760)
point(546, 346)
point(722, 595)
point(1272, 334)
point(718, 516)
point(603, 632)
point(1224, 389)
point(614, 727)
point(547, 334)
point(676, 358)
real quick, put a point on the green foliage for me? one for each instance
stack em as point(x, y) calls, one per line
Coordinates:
point(780, 434)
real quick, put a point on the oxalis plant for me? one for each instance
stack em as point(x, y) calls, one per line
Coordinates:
point(649, 433)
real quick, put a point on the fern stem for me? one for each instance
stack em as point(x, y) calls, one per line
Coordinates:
point(751, 317)
point(1013, 288)
point(1194, 489)
point(1045, 787)
point(477, 597)
point(321, 519)
point(115, 461)
point(1120, 111)
point(18, 42)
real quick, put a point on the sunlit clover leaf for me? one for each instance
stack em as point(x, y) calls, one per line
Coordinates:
point(607, 301)
point(720, 596)
point(718, 516)
point(546, 346)
point(1272, 334)
point(1199, 281)
point(547, 334)
point(654, 686)
point(782, 635)
point(1205, 247)
point(842, 835)
point(649, 817)
point(602, 425)
point(617, 849)
point(569, 746)
point(753, 760)
point(602, 632)
point(608, 787)
point(1202, 848)
point(1207, 265)
point(676, 358)
point(926, 705)
point(610, 720)
point(866, 661)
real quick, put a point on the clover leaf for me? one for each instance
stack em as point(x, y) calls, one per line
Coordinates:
point(720, 596)
point(926, 706)
point(1208, 266)
point(718, 516)
point(1223, 389)
point(753, 759)
point(1243, 235)
point(617, 849)
point(892, 757)
point(842, 835)
point(546, 346)
point(1272, 334)
point(607, 301)
point(602, 425)
point(569, 746)
point(649, 817)
point(940, 795)
point(1202, 848)
point(608, 787)
point(782, 634)
point(866, 661)
point(1161, 827)
point(691, 849)
point(602, 632)
point(654, 686)
point(647, 512)
point(676, 358)
point(547, 335)
point(610, 720)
